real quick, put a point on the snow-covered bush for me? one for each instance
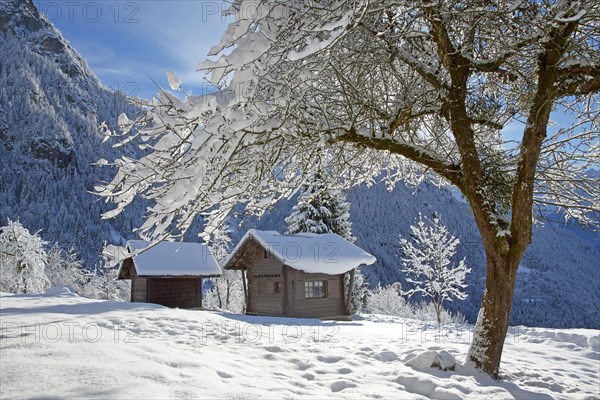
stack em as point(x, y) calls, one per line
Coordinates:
point(360, 291)
point(429, 266)
point(226, 293)
point(22, 260)
point(388, 300)
point(103, 282)
point(65, 268)
point(425, 311)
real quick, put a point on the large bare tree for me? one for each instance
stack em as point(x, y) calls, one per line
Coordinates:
point(413, 89)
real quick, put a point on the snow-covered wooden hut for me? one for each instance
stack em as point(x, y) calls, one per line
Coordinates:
point(169, 273)
point(298, 275)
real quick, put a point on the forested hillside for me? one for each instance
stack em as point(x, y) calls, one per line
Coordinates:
point(51, 107)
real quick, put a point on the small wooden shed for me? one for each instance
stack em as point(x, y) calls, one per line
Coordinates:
point(169, 273)
point(298, 275)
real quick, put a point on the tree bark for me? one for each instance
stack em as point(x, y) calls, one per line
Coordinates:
point(218, 294)
point(493, 319)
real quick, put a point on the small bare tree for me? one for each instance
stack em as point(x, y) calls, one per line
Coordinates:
point(428, 263)
point(228, 287)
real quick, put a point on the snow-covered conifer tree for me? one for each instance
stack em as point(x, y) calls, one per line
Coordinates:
point(428, 263)
point(22, 260)
point(320, 209)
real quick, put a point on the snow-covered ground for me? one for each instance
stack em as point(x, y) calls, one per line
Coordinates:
point(62, 345)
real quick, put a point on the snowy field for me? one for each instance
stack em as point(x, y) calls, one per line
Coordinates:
point(61, 345)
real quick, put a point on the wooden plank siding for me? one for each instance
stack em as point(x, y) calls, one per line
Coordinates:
point(138, 289)
point(169, 292)
point(301, 307)
point(263, 274)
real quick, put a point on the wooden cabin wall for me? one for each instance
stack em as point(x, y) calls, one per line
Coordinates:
point(138, 289)
point(299, 306)
point(263, 276)
point(174, 292)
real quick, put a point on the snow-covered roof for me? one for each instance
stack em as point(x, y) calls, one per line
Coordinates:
point(170, 259)
point(325, 253)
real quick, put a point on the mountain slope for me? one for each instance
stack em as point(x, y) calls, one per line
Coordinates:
point(51, 106)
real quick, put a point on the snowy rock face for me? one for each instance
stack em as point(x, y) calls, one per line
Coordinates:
point(51, 106)
point(15, 14)
point(439, 359)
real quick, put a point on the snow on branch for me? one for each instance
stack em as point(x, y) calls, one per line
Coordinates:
point(357, 89)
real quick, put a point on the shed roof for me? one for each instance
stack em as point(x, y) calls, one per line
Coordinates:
point(325, 253)
point(169, 259)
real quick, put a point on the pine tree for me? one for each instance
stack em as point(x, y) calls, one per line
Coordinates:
point(22, 260)
point(428, 263)
point(320, 210)
point(324, 210)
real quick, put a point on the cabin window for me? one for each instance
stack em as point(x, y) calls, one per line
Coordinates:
point(265, 253)
point(315, 289)
point(276, 288)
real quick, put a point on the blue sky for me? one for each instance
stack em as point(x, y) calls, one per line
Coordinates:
point(126, 43)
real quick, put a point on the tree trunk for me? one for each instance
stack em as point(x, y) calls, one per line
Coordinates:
point(350, 291)
point(227, 297)
point(216, 281)
point(493, 319)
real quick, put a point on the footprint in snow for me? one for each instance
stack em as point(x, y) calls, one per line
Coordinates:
point(224, 375)
point(329, 359)
point(274, 349)
point(301, 365)
point(308, 377)
point(338, 386)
